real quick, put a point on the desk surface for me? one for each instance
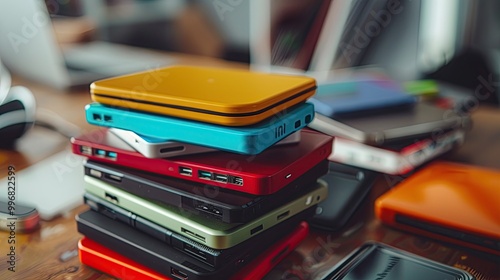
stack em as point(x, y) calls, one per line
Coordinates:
point(47, 252)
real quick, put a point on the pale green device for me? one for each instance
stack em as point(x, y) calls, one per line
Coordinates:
point(212, 233)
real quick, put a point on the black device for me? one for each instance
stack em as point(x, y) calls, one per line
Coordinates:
point(374, 260)
point(151, 252)
point(212, 257)
point(347, 188)
point(223, 204)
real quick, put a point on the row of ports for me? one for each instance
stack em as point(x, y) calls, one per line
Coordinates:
point(209, 209)
point(307, 120)
point(207, 175)
point(99, 117)
point(86, 150)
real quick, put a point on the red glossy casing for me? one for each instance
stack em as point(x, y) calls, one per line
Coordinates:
point(105, 260)
point(260, 174)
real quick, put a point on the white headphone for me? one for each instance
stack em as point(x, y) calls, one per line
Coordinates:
point(17, 109)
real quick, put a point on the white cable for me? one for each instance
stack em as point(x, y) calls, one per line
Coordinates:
point(51, 120)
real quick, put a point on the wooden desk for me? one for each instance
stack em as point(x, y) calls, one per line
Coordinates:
point(49, 253)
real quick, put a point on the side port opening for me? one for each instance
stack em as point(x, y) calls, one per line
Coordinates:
point(297, 124)
point(105, 154)
point(112, 177)
point(256, 229)
point(192, 234)
point(111, 197)
point(194, 251)
point(186, 171)
point(86, 150)
point(178, 274)
point(308, 119)
point(97, 117)
point(209, 209)
point(216, 211)
point(111, 155)
point(205, 175)
point(283, 215)
point(108, 118)
point(220, 178)
point(171, 149)
point(235, 180)
point(100, 153)
point(95, 173)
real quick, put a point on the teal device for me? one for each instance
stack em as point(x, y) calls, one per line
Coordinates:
point(250, 140)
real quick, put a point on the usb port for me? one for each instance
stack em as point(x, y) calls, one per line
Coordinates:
point(112, 177)
point(111, 197)
point(111, 155)
point(283, 215)
point(95, 173)
point(216, 211)
point(108, 118)
point(256, 229)
point(100, 152)
point(97, 117)
point(209, 209)
point(202, 174)
point(177, 274)
point(192, 234)
point(220, 178)
point(86, 150)
point(186, 171)
point(236, 180)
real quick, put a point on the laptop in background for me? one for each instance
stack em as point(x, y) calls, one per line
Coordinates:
point(28, 47)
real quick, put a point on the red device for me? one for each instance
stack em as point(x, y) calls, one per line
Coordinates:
point(103, 259)
point(260, 174)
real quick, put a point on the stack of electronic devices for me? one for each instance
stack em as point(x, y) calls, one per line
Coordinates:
point(378, 126)
point(197, 172)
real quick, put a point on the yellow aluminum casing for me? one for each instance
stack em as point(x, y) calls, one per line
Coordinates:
point(230, 97)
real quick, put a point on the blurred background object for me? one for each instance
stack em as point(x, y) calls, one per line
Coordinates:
point(211, 28)
point(451, 41)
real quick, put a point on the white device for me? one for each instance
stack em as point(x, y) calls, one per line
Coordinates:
point(157, 148)
point(53, 186)
point(28, 47)
point(394, 160)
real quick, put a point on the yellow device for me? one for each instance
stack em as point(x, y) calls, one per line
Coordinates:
point(229, 97)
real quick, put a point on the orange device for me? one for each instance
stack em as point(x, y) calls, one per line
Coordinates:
point(230, 97)
point(451, 202)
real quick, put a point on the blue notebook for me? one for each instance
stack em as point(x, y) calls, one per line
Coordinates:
point(243, 140)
